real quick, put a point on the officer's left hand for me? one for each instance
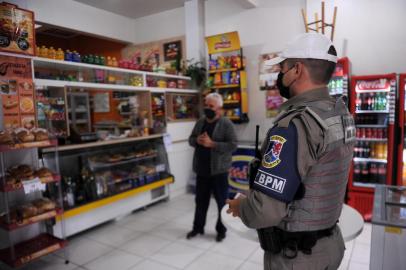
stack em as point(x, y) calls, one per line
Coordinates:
point(234, 207)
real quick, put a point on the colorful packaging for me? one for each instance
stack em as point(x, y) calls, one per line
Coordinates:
point(17, 34)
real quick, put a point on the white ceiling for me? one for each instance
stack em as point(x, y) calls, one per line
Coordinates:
point(134, 8)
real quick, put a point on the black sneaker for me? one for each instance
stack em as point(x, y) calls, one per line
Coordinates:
point(220, 237)
point(193, 233)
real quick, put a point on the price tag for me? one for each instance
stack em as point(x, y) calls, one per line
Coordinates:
point(160, 168)
point(168, 142)
point(33, 185)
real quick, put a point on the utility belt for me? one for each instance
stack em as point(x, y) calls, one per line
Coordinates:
point(275, 240)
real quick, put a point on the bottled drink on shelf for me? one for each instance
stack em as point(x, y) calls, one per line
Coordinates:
point(364, 172)
point(51, 53)
point(373, 173)
point(358, 102)
point(382, 173)
point(357, 172)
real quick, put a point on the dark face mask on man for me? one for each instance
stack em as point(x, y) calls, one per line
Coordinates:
point(210, 114)
point(284, 90)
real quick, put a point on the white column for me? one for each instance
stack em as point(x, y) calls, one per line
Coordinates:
point(195, 30)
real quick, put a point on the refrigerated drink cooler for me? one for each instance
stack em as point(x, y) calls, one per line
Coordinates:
point(388, 241)
point(372, 102)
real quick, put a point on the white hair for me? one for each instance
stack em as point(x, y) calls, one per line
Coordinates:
point(217, 97)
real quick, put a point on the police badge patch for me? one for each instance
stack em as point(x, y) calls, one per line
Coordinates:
point(271, 158)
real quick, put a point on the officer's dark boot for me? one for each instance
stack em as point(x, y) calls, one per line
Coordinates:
point(193, 233)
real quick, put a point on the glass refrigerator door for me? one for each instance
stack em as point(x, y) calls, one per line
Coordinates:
point(373, 118)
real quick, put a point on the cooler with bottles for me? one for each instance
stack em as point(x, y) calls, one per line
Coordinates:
point(339, 82)
point(400, 137)
point(372, 102)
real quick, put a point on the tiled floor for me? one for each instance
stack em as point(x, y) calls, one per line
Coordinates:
point(155, 240)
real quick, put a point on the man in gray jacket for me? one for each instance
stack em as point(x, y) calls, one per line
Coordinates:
point(214, 140)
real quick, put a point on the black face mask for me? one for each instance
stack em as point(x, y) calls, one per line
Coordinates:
point(210, 114)
point(283, 90)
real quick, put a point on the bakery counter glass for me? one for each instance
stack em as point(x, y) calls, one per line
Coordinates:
point(90, 174)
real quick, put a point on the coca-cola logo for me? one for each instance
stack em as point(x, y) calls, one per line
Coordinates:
point(6, 65)
point(373, 85)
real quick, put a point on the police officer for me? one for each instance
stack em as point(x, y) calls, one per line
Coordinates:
point(299, 188)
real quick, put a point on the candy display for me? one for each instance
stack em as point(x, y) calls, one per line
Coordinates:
point(226, 62)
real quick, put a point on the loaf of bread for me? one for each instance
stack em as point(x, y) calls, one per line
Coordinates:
point(44, 205)
point(40, 134)
point(23, 135)
point(43, 172)
point(6, 138)
point(26, 211)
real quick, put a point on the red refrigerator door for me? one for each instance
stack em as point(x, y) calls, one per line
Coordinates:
point(401, 151)
point(339, 82)
point(372, 102)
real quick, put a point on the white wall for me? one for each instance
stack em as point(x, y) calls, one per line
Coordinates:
point(77, 16)
point(370, 32)
point(159, 26)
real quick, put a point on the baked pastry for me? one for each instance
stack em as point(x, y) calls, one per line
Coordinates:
point(40, 134)
point(21, 172)
point(44, 205)
point(6, 138)
point(26, 211)
point(24, 135)
point(43, 173)
point(11, 180)
point(115, 158)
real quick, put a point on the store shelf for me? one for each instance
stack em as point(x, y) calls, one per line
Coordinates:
point(100, 165)
point(367, 111)
point(225, 86)
point(231, 102)
point(97, 86)
point(115, 198)
point(32, 249)
point(364, 185)
point(31, 220)
point(371, 126)
point(50, 63)
point(173, 90)
point(78, 111)
point(80, 121)
point(28, 145)
point(14, 187)
point(222, 70)
point(373, 139)
point(100, 143)
point(356, 159)
point(182, 120)
point(373, 91)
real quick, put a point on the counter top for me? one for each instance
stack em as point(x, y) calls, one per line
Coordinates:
point(98, 143)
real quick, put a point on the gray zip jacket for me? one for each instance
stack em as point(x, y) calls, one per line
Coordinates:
point(226, 142)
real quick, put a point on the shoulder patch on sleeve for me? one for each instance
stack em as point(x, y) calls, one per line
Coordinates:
point(278, 175)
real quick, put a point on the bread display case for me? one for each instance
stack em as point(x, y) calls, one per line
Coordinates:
point(27, 207)
point(100, 176)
